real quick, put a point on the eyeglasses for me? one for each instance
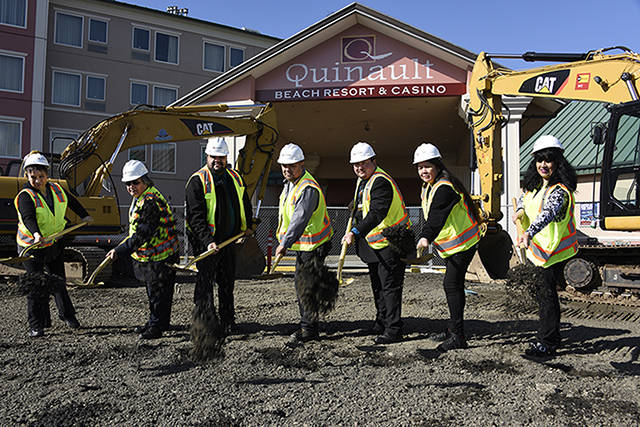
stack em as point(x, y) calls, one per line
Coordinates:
point(132, 183)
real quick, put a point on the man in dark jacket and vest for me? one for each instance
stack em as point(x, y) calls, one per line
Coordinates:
point(217, 208)
point(380, 205)
point(303, 226)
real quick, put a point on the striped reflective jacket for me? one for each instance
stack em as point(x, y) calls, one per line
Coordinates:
point(558, 240)
point(164, 242)
point(48, 222)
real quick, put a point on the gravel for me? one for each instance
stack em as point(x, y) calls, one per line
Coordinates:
point(103, 374)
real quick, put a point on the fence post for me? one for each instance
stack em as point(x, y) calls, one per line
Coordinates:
point(269, 249)
point(185, 258)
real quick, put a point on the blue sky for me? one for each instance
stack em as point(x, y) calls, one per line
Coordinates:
point(504, 26)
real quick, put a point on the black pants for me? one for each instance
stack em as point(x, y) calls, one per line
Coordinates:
point(221, 269)
point(453, 284)
point(548, 305)
point(51, 260)
point(159, 279)
point(387, 278)
point(319, 253)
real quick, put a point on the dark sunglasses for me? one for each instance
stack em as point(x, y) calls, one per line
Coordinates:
point(132, 183)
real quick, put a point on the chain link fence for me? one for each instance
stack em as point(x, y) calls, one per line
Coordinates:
point(268, 226)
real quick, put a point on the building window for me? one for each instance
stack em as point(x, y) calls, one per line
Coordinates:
point(68, 29)
point(95, 88)
point(166, 48)
point(163, 157)
point(213, 57)
point(141, 39)
point(97, 30)
point(138, 153)
point(66, 88)
point(11, 73)
point(236, 56)
point(139, 93)
point(164, 95)
point(61, 139)
point(13, 12)
point(10, 138)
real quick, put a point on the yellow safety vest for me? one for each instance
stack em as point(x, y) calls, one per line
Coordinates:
point(210, 196)
point(396, 215)
point(558, 240)
point(164, 242)
point(318, 230)
point(460, 231)
point(48, 222)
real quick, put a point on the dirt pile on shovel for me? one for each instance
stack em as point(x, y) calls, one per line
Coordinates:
point(521, 285)
point(317, 288)
point(207, 336)
point(402, 240)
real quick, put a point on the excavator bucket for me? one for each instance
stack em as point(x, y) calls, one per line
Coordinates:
point(250, 261)
point(495, 252)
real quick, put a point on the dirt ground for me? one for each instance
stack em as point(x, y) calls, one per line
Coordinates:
point(103, 374)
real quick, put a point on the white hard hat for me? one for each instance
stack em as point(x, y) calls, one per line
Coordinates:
point(360, 152)
point(217, 147)
point(133, 170)
point(290, 154)
point(425, 152)
point(546, 141)
point(36, 158)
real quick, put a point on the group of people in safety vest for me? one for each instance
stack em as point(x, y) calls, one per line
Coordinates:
point(218, 209)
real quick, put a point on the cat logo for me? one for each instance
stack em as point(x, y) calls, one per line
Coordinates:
point(548, 83)
point(205, 128)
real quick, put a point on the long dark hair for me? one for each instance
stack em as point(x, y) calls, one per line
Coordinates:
point(564, 173)
point(445, 173)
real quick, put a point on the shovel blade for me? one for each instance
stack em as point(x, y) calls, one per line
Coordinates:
point(495, 251)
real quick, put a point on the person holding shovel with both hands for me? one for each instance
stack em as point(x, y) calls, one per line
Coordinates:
point(546, 213)
point(452, 226)
point(153, 245)
point(218, 208)
point(303, 227)
point(41, 206)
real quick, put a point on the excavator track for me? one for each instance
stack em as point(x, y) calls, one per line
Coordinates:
point(626, 299)
point(90, 257)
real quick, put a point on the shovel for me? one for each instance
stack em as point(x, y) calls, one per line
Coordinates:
point(522, 252)
point(90, 283)
point(52, 238)
point(343, 253)
point(190, 266)
point(272, 272)
point(420, 258)
point(15, 259)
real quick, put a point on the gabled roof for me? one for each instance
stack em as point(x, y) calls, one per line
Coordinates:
point(333, 24)
point(573, 126)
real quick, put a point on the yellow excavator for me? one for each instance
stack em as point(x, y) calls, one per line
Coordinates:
point(85, 165)
point(599, 75)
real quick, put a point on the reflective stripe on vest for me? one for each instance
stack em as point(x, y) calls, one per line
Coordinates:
point(318, 230)
point(558, 240)
point(164, 242)
point(460, 231)
point(210, 196)
point(396, 216)
point(48, 222)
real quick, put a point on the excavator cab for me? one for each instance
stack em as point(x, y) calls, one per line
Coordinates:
point(620, 186)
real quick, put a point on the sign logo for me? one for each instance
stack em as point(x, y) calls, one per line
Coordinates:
point(548, 83)
point(582, 81)
point(163, 135)
point(205, 128)
point(360, 49)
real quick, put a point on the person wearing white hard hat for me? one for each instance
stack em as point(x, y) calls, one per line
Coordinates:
point(152, 244)
point(41, 206)
point(379, 205)
point(218, 208)
point(304, 228)
point(546, 211)
point(452, 226)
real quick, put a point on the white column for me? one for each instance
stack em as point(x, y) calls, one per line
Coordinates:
point(514, 108)
point(39, 73)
